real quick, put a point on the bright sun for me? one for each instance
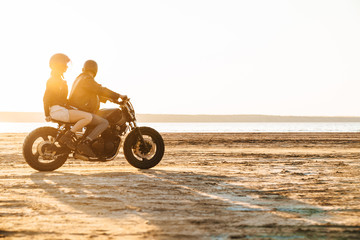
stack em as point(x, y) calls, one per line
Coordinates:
point(235, 57)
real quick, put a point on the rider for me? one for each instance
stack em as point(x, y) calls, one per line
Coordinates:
point(56, 104)
point(85, 95)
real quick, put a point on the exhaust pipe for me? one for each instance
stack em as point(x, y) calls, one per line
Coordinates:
point(81, 157)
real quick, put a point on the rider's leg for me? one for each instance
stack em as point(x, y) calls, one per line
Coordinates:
point(100, 125)
point(81, 118)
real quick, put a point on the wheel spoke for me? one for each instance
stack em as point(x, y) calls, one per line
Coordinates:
point(45, 137)
point(36, 155)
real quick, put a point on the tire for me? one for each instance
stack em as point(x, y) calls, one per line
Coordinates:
point(43, 138)
point(133, 148)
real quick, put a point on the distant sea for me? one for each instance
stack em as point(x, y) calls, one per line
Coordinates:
point(226, 127)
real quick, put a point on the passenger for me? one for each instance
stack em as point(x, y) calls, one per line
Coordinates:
point(56, 104)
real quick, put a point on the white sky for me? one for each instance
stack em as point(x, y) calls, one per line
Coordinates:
point(190, 57)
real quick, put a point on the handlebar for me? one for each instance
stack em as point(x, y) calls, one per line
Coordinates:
point(124, 101)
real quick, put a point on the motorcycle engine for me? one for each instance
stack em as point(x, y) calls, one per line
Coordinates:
point(106, 145)
point(98, 146)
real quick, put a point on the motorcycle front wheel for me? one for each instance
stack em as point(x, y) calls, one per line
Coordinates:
point(147, 154)
point(41, 151)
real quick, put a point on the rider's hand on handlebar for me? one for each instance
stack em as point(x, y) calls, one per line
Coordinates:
point(123, 97)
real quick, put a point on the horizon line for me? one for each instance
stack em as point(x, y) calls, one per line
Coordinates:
point(212, 114)
point(40, 117)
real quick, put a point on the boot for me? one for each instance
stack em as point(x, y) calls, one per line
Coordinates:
point(68, 140)
point(84, 148)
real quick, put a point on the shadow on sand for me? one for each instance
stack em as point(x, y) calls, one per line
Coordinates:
point(188, 205)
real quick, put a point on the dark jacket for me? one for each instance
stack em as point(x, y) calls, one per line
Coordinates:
point(55, 94)
point(86, 93)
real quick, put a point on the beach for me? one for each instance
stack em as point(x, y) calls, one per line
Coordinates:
point(208, 186)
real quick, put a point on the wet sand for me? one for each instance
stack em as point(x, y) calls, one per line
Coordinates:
point(208, 186)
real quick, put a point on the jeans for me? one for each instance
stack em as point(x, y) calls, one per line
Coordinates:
point(100, 125)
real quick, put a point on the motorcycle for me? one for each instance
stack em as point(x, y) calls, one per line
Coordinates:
point(143, 147)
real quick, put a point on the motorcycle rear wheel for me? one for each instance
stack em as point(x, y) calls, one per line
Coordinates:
point(137, 155)
point(40, 150)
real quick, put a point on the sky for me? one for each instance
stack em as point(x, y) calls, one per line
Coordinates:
point(190, 56)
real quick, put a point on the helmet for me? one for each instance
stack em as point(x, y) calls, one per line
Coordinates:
point(58, 61)
point(90, 66)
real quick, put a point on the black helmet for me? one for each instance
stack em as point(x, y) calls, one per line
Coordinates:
point(58, 60)
point(90, 66)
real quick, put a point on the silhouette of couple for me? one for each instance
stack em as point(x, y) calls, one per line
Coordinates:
point(81, 106)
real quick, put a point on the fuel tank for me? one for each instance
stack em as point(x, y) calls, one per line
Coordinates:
point(113, 115)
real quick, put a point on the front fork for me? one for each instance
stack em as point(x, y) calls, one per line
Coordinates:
point(140, 136)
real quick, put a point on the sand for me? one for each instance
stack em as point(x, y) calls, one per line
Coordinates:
point(208, 186)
